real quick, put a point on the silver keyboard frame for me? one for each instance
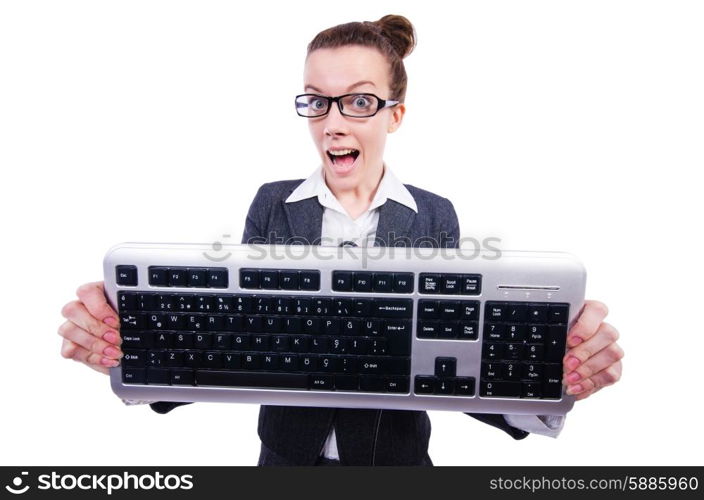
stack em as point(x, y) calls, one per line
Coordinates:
point(513, 276)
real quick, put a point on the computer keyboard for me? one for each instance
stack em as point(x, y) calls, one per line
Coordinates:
point(382, 327)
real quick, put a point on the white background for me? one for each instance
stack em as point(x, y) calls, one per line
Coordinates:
point(573, 126)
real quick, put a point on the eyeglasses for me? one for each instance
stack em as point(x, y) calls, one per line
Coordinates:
point(354, 105)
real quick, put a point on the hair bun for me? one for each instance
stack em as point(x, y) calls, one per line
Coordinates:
point(400, 33)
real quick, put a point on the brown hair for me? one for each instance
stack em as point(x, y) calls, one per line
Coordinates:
point(392, 35)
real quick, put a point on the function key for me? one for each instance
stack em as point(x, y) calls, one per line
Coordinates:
point(429, 283)
point(158, 276)
point(249, 278)
point(288, 280)
point(126, 275)
point(269, 279)
point(342, 281)
point(450, 283)
point(197, 278)
point(362, 282)
point(382, 282)
point(178, 277)
point(557, 313)
point(217, 278)
point(403, 282)
point(471, 284)
point(310, 280)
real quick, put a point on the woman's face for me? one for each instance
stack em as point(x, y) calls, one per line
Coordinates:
point(345, 70)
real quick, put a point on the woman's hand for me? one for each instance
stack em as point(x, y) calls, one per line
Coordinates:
point(91, 331)
point(594, 358)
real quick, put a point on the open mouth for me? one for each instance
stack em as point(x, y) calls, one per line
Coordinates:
point(343, 157)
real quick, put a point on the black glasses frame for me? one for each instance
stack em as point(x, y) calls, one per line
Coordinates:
point(381, 104)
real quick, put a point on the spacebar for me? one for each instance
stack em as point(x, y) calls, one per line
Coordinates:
point(252, 379)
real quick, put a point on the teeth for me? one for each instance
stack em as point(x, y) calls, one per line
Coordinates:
point(342, 152)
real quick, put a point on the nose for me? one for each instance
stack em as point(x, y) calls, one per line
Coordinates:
point(335, 123)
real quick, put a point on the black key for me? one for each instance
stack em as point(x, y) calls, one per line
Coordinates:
point(517, 332)
point(382, 282)
point(515, 312)
point(175, 358)
point(403, 283)
point(427, 329)
point(342, 281)
point(269, 279)
point(182, 340)
point(530, 390)
point(134, 321)
point(445, 367)
point(240, 342)
point(449, 309)
point(197, 278)
point(392, 308)
point(182, 377)
point(217, 278)
point(223, 341)
point(362, 282)
point(156, 359)
point(204, 303)
point(500, 389)
point(471, 284)
point(178, 277)
point(127, 301)
point(495, 311)
point(553, 374)
point(492, 351)
point(494, 331)
point(319, 345)
point(469, 310)
point(533, 352)
point(397, 384)
point(492, 370)
point(310, 280)
point(192, 359)
point(136, 339)
point(249, 278)
point(134, 357)
point(231, 360)
point(251, 361)
point(260, 342)
point(424, 384)
point(347, 382)
point(398, 336)
point(373, 327)
point(270, 361)
point(464, 386)
point(321, 382)
point(468, 330)
point(448, 330)
point(134, 375)
point(253, 379)
point(450, 284)
point(444, 386)
point(537, 313)
point(511, 371)
point(555, 344)
point(513, 351)
point(158, 276)
point(158, 376)
point(289, 362)
point(280, 343)
point(372, 383)
point(428, 309)
point(532, 372)
point(429, 283)
point(288, 280)
point(552, 391)
point(126, 275)
point(558, 313)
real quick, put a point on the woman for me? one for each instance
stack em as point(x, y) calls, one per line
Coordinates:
point(354, 90)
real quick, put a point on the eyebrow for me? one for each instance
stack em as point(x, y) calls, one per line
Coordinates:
point(362, 82)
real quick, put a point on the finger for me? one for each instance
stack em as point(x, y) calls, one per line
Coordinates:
point(93, 297)
point(70, 350)
point(77, 313)
point(608, 376)
point(70, 331)
point(605, 335)
point(596, 363)
point(587, 323)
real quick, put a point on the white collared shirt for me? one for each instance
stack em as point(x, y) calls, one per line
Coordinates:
point(338, 226)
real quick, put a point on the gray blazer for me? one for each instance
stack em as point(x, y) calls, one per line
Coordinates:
point(393, 437)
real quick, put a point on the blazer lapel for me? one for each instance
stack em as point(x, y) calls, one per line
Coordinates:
point(395, 222)
point(305, 220)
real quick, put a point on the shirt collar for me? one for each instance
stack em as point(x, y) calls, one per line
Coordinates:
point(390, 188)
